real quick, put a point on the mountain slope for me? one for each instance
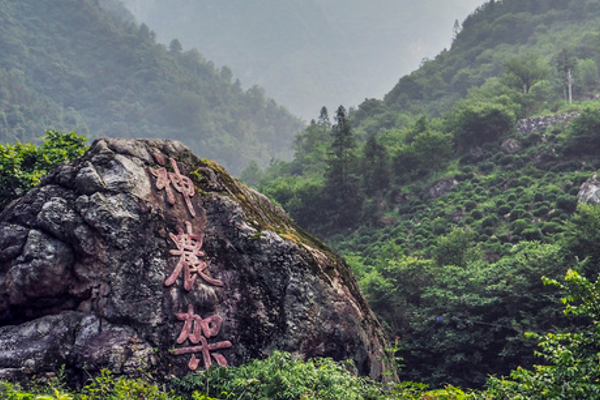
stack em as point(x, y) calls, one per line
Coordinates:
point(71, 65)
point(455, 214)
point(490, 36)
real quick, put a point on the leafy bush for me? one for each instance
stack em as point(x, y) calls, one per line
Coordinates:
point(22, 166)
point(469, 205)
point(475, 123)
point(103, 387)
point(570, 370)
point(282, 377)
point(476, 214)
point(583, 136)
point(454, 249)
point(504, 209)
point(532, 234)
point(520, 225)
point(566, 203)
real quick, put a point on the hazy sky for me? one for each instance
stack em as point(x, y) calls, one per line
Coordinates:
point(310, 53)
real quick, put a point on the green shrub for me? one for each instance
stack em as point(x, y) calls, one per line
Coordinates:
point(476, 214)
point(487, 231)
point(516, 213)
point(538, 197)
point(23, 165)
point(583, 135)
point(504, 209)
point(486, 167)
point(469, 205)
point(489, 221)
point(475, 123)
point(549, 228)
point(532, 234)
point(567, 203)
point(103, 387)
point(541, 211)
point(520, 225)
point(282, 377)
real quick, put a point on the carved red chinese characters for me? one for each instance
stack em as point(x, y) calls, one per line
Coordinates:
point(197, 330)
point(181, 184)
point(188, 249)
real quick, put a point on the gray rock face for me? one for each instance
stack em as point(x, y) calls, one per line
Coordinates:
point(510, 146)
point(442, 188)
point(141, 257)
point(541, 123)
point(589, 192)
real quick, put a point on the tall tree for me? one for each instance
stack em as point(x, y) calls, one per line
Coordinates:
point(523, 72)
point(565, 64)
point(376, 166)
point(341, 182)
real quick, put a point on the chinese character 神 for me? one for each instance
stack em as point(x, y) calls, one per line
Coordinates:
point(181, 184)
point(188, 248)
point(197, 331)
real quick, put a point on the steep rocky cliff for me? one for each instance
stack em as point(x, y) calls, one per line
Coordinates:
point(142, 257)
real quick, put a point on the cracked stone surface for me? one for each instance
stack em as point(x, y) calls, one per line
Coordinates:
point(84, 258)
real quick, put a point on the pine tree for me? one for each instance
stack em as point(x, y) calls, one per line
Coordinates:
point(341, 181)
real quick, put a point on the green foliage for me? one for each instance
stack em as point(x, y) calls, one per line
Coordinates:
point(282, 377)
point(103, 387)
point(23, 165)
point(583, 136)
point(582, 237)
point(524, 72)
point(571, 359)
point(341, 182)
point(454, 249)
point(395, 286)
point(476, 316)
point(474, 124)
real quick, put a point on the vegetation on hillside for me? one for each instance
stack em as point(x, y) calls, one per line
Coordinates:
point(72, 65)
point(449, 214)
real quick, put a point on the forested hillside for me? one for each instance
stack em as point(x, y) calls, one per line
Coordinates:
point(449, 213)
point(72, 65)
point(554, 35)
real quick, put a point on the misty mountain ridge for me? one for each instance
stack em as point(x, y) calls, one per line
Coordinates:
point(72, 65)
point(312, 53)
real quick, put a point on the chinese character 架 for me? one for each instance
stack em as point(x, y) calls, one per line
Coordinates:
point(181, 184)
point(188, 249)
point(197, 330)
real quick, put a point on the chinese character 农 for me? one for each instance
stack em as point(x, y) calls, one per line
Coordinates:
point(181, 184)
point(188, 249)
point(197, 330)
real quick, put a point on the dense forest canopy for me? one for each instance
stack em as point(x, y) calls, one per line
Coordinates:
point(71, 65)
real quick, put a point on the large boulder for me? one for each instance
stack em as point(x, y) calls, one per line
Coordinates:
point(142, 258)
point(589, 192)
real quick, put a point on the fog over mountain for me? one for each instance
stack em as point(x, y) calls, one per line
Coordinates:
point(310, 53)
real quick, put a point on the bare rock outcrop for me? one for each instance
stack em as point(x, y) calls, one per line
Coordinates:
point(589, 192)
point(139, 256)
